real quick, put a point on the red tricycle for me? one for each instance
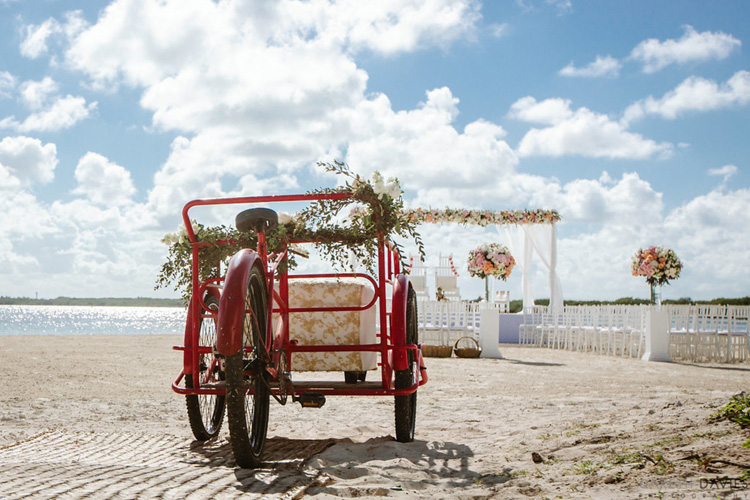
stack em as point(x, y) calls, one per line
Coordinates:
point(249, 332)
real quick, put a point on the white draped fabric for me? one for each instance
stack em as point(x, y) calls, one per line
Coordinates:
point(520, 246)
point(523, 240)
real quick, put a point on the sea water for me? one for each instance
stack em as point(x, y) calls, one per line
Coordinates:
point(91, 320)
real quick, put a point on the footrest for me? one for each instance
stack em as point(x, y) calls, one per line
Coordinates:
point(311, 400)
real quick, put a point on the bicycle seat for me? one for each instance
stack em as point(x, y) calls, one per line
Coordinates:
point(256, 219)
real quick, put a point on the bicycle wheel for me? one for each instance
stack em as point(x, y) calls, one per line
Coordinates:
point(206, 411)
point(406, 406)
point(247, 384)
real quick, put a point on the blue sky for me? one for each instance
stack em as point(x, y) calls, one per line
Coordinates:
point(630, 118)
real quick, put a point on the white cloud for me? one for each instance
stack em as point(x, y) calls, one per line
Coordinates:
point(691, 47)
point(580, 132)
point(63, 112)
point(694, 94)
point(36, 93)
point(499, 30)
point(602, 67)
point(714, 224)
point(422, 148)
point(27, 160)
point(726, 171)
point(103, 182)
point(549, 112)
point(34, 43)
point(7, 84)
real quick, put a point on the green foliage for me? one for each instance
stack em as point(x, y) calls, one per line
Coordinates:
point(737, 411)
point(378, 212)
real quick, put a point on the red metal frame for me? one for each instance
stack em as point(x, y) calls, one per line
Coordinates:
point(392, 335)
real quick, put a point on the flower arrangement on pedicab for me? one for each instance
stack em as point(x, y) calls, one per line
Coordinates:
point(376, 209)
point(658, 264)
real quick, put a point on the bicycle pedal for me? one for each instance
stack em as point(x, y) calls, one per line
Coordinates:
point(311, 400)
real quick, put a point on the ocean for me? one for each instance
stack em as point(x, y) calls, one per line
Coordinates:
point(91, 320)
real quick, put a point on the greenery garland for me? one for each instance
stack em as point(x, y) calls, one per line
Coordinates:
point(377, 210)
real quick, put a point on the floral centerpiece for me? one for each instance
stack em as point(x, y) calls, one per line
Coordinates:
point(376, 210)
point(490, 260)
point(658, 264)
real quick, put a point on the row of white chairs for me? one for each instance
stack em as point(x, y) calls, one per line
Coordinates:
point(608, 330)
point(444, 322)
point(709, 333)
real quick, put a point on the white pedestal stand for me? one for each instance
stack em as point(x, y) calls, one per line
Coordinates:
point(489, 333)
point(657, 335)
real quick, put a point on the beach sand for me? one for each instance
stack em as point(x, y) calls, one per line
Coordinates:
point(95, 417)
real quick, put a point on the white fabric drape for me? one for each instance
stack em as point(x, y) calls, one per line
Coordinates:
point(521, 247)
point(544, 239)
point(523, 240)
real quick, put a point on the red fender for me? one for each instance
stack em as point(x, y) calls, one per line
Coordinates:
point(398, 320)
point(232, 302)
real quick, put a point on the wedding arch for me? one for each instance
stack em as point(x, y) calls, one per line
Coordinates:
point(527, 232)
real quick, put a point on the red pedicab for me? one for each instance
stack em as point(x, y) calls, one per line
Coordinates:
point(243, 344)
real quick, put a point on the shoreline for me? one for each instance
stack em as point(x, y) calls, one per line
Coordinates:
point(596, 422)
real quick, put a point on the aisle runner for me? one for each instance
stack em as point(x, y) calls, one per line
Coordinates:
point(78, 465)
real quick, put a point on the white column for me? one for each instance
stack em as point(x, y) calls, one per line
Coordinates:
point(657, 335)
point(489, 333)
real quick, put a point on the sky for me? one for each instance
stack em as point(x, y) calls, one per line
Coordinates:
point(629, 118)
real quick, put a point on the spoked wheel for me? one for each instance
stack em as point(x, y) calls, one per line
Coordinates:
point(247, 380)
point(406, 406)
point(206, 411)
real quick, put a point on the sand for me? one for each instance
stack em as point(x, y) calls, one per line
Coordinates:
point(95, 417)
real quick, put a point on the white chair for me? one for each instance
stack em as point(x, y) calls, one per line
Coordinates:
point(680, 334)
point(446, 279)
point(739, 333)
point(527, 331)
point(418, 279)
point(502, 301)
point(432, 323)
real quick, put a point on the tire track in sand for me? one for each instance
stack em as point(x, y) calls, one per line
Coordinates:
point(126, 465)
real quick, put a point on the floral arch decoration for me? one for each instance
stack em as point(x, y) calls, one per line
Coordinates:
point(534, 232)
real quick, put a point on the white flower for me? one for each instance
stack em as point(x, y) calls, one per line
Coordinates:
point(378, 185)
point(285, 217)
point(170, 239)
point(393, 189)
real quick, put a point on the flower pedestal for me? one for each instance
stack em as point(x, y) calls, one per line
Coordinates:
point(656, 336)
point(489, 333)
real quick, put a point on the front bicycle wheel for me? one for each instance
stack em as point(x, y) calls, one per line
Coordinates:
point(248, 395)
point(406, 406)
point(206, 411)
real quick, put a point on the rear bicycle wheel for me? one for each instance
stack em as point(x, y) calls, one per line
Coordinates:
point(206, 411)
point(406, 406)
point(248, 396)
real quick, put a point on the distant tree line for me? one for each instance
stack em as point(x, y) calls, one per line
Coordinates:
point(73, 301)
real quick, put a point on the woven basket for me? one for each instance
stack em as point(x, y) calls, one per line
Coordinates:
point(437, 351)
point(467, 352)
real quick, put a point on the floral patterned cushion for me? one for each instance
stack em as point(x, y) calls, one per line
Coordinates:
point(332, 327)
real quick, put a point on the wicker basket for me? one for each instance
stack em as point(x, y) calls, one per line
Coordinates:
point(467, 352)
point(437, 351)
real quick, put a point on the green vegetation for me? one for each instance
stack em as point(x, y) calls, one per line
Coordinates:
point(737, 411)
point(73, 301)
